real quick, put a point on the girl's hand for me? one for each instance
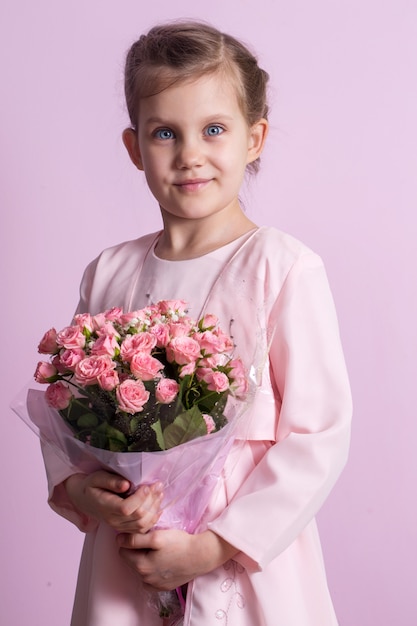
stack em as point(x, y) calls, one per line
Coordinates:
point(167, 559)
point(99, 494)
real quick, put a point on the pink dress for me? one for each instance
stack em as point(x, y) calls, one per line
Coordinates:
point(272, 293)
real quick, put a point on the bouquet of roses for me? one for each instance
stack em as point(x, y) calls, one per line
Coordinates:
point(147, 380)
point(152, 395)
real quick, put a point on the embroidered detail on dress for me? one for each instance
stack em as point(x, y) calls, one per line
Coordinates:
point(230, 586)
point(230, 328)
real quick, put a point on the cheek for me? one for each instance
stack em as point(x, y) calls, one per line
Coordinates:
point(233, 156)
point(154, 167)
point(161, 159)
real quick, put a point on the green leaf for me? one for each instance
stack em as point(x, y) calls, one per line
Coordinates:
point(191, 397)
point(107, 437)
point(159, 434)
point(110, 431)
point(186, 426)
point(115, 445)
point(97, 440)
point(133, 424)
point(213, 402)
point(88, 420)
point(77, 408)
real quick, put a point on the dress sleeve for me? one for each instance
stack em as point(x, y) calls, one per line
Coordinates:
point(293, 478)
point(57, 472)
point(86, 287)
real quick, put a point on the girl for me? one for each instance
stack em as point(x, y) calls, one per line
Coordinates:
point(197, 104)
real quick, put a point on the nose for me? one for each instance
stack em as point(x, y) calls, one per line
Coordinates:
point(190, 154)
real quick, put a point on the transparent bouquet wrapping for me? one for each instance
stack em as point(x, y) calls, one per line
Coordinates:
point(189, 472)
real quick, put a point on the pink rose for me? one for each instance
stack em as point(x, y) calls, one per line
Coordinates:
point(89, 369)
point(238, 376)
point(84, 320)
point(214, 341)
point(209, 342)
point(71, 337)
point(161, 333)
point(133, 318)
point(114, 314)
point(98, 321)
point(107, 329)
point(108, 380)
point(224, 341)
point(56, 362)
point(214, 360)
point(203, 372)
point(167, 307)
point(44, 372)
point(166, 390)
point(145, 366)
point(154, 316)
point(209, 423)
point(180, 328)
point(219, 382)
point(58, 396)
point(188, 369)
point(208, 322)
point(48, 343)
point(105, 344)
point(183, 350)
point(69, 358)
point(216, 381)
point(132, 396)
point(237, 368)
point(141, 342)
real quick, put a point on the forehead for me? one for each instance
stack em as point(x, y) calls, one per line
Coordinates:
point(195, 97)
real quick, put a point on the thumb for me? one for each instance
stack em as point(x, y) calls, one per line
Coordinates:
point(135, 541)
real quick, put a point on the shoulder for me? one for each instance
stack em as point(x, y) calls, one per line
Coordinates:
point(280, 244)
point(121, 257)
point(273, 255)
point(135, 247)
point(269, 264)
point(107, 280)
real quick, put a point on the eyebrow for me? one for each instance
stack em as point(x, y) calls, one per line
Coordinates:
point(156, 120)
point(207, 120)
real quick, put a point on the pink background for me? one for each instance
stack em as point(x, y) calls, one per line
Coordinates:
point(339, 172)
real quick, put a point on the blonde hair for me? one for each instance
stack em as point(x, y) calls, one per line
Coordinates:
point(179, 51)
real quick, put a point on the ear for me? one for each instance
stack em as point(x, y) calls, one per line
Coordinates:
point(257, 136)
point(130, 139)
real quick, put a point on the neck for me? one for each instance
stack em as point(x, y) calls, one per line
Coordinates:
point(183, 239)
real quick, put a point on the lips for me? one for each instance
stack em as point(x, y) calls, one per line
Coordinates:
point(192, 184)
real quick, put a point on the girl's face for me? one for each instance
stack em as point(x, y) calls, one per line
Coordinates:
point(193, 144)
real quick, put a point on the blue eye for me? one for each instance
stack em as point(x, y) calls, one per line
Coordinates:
point(214, 130)
point(164, 133)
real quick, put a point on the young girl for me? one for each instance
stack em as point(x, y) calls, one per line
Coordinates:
point(197, 104)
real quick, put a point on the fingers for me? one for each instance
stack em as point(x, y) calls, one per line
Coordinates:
point(138, 561)
point(142, 509)
point(138, 551)
point(98, 495)
point(145, 496)
point(136, 541)
point(109, 482)
point(162, 558)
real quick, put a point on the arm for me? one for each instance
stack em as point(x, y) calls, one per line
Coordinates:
point(292, 480)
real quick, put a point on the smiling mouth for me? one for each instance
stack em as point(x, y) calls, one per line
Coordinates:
point(195, 184)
